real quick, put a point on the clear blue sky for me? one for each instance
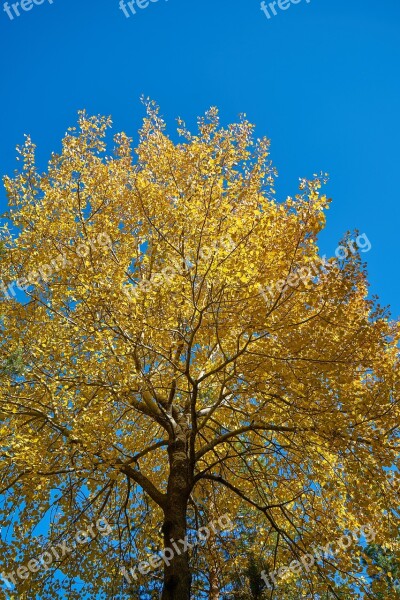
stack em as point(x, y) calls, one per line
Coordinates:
point(321, 79)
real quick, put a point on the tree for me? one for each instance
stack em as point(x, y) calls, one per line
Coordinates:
point(256, 567)
point(176, 348)
point(253, 587)
point(384, 566)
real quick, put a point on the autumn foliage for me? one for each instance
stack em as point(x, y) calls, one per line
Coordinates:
point(160, 390)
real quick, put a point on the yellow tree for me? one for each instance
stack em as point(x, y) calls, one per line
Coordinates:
point(181, 337)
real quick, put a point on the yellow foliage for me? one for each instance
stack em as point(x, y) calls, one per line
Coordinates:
point(150, 351)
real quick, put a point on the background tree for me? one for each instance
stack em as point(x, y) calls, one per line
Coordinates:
point(154, 365)
point(384, 569)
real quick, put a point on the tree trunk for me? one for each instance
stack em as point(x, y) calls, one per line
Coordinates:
point(177, 575)
point(213, 564)
point(214, 583)
point(213, 571)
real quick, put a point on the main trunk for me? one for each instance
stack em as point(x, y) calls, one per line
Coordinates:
point(213, 564)
point(177, 575)
point(214, 583)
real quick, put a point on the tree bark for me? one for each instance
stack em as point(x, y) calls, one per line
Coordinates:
point(177, 575)
point(214, 583)
point(213, 571)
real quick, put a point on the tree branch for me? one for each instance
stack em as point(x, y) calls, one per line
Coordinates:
point(145, 483)
point(252, 427)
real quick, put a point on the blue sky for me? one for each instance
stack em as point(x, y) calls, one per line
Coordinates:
point(320, 79)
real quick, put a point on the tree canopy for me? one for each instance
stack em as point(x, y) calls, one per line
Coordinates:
point(162, 387)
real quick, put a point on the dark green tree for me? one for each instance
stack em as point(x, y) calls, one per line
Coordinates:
point(386, 583)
